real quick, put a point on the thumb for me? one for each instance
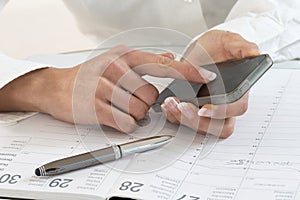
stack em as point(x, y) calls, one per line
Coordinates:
point(243, 49)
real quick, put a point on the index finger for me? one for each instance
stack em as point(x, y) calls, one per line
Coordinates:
point(165, 67)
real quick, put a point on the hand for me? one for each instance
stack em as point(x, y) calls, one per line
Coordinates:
point(107, 89)
point(213, 46)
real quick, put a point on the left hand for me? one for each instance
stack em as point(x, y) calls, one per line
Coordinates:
point(214, 46)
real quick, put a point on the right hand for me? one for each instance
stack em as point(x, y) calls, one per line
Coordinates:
point(107, 89)
point(212, 47)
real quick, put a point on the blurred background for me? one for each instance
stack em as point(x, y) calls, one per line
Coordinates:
point(31, 27)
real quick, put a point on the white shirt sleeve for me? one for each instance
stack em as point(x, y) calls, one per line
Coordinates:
point(274, 25)
point(10, 69)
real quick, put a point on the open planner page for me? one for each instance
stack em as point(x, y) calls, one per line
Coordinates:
point(41, 139)
point(261, 160)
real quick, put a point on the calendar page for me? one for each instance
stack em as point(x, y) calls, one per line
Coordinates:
point(261, 160)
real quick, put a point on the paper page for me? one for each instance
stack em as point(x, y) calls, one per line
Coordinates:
point(8, 119)
point(261, 160)
point(41, 139)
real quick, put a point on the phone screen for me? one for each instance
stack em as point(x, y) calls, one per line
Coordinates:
point(230, 75)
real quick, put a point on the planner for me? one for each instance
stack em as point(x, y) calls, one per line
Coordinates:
point(261, 160)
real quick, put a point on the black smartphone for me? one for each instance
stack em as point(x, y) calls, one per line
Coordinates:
point(234, 79)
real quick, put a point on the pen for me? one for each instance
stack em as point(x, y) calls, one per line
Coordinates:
point(101, 156)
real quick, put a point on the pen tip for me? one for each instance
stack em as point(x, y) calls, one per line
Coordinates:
point(37, 172)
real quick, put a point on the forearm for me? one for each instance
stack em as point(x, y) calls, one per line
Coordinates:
point(33, 91)
point(24, 93)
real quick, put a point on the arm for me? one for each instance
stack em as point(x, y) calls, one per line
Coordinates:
point(107, 89)
point(11, 69)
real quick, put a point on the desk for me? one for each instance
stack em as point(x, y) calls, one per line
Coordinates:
point(244, 145)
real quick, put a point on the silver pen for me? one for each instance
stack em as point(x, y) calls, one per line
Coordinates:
point(101, 156)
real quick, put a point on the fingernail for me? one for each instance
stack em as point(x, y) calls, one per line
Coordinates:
point(186, 110)
point(204, 112)
point(171, 103)
point(208, 75)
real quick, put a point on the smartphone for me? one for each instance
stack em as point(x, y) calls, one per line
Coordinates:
point(234, 79)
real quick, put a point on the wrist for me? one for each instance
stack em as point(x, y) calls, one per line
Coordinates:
point(22, 93)
point(35, 91)
point(56, 92)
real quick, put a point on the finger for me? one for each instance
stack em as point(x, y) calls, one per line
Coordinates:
point(226, 110)
point(119, 73)
point(184, 113)
point(171, 105)
point(102, 63)
point(168, 114)
point(239, 47)
point(121, 99)
point(110, 116)
point(163, 66)
point(187, 115)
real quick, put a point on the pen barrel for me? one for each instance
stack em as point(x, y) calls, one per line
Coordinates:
point(82, 161)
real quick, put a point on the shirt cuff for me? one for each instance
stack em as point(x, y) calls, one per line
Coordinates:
point(10, 69)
